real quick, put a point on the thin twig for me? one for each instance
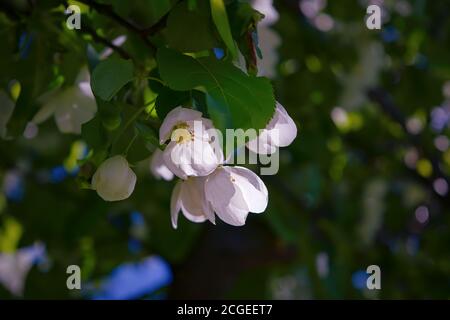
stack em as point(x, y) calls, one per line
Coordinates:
point(158, 26)
point(107, 10)
point(106, 42)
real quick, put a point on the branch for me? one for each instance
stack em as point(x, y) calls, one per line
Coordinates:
point(108, 11)
point(106, 42)
point(158, 26)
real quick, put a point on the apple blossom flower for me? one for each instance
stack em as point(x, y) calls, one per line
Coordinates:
point(191, 151)
point(280, 132)
point(114, 180)
point(189, 197)
point(158, 167)
point(14, 267)
point(233, 192)
point(71, 107)
point(174, 118)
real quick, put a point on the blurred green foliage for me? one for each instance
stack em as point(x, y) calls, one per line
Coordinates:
point(346, 195)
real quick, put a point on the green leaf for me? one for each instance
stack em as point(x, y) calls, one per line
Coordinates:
point(190, 30)
point(109, 113)
point(147, 133)
point(234, 99)
point(93, 133)
point(143, 12)
point(169, 99)
point(110, 76)
point(192, 4)
point(32, 70)
point(93, 57)
point(243, 20)
point(130, 142)
point(220, 18)
point(139, 149)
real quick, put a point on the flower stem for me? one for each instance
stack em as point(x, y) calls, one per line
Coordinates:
point(156, 79)
point(130, 121)
point(130, 144)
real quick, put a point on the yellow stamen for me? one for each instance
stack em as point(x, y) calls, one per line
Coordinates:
point(181, 135)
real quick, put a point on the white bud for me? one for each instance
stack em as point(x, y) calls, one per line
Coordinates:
point(114, 180)
point(189, 197)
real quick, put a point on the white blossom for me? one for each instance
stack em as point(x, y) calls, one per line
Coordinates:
point(158, 166)
point(174, 118)
point(14, 267)
point(191, 151)
point(189, 197)
point(71, 107)
point(280, 132)
point(114, 180)
point(233, 192)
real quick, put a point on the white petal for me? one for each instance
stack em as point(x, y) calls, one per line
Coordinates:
point(234, 192)
point(73, 110)
point(219, 189)
point(204, 159)
point(114, 180)
point(72, 106)
point(262, 144)
point(175, 204)
point(83, 76)
point(47, 110)
point(193, 201)
point(14, 267)
point(232, 215)
point(194, 158)
point(83, 81)
point(287, 130)
point(158, 166)
point(225, 198)
point(175, 117)
point(120, 40)
point(85, 88)
point(252, 188)
point(280, 132)
point(215, 139)
point(174, 158)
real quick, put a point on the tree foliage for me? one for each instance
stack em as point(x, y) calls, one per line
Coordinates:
point(351, 190)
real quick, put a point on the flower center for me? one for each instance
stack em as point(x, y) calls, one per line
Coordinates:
point(181, 134)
